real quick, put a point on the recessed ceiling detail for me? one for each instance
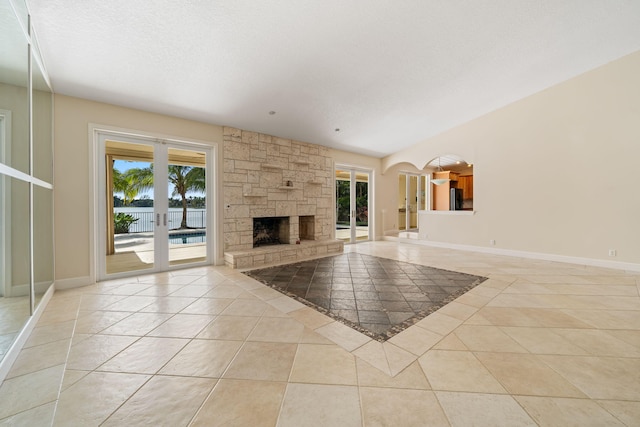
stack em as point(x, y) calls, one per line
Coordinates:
point(398, 72)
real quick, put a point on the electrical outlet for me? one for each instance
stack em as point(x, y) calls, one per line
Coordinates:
point(612, 252)
point(492, 242)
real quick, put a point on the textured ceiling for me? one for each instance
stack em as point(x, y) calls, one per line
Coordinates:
point(388, 74)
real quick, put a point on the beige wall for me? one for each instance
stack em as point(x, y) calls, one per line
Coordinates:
point(554, 173)
point(73, 195)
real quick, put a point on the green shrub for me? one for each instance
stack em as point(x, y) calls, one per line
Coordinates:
point(122, 221)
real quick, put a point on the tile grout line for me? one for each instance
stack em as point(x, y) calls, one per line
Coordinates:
point(151, 376)
point(227, 369)
point(64, 370)
point(138, 339)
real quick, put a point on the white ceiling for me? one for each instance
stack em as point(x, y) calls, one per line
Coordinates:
point(387, 73)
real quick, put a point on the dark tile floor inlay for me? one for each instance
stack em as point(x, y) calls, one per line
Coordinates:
point(376, 296)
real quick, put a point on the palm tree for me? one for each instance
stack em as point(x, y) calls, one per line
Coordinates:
point(131, 182)
point(185, 179)
point(140, 178)
point(118, 179)
point(122, 184)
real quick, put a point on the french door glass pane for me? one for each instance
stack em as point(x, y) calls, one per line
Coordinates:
point(187, 214)
point(362, 206)
point(130, 207)
point(343, 205)
point(422, 198)
point(412, 201)
point(402, 201)
point(352, 205)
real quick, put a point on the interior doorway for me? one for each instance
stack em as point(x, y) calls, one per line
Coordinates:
point(411, 199)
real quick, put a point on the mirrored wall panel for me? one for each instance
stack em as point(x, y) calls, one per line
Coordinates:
point(14, 95)
point(42, 113)
point(15, 259)
point(42, 240)
point(26, 176)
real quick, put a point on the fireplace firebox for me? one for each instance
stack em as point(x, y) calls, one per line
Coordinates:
point(270, 231)
point(307, 227)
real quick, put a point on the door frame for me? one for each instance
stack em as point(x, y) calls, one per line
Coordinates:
point(97, 209)
point(370, 199)
point(420, 194)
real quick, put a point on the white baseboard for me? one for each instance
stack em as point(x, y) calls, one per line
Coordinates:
point(593, 262)
point(24, 289)
point(74, 282)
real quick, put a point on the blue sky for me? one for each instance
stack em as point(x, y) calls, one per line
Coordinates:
point(125, 165)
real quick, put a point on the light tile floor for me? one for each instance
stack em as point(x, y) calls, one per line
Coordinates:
point(538, 343)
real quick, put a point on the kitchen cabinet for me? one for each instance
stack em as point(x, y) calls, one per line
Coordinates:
point(441, 193)
point(466, 184)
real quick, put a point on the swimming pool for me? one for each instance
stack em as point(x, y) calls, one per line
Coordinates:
point(186, 238)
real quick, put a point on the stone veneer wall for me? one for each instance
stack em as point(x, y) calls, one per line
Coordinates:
point(256, 170)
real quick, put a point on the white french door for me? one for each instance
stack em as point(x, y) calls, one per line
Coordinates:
point(353, 198)
point(411, 199)
point(154, 213)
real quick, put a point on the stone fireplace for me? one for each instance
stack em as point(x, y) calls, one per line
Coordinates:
point(288, 181)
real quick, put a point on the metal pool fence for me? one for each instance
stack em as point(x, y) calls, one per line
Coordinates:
point(195, 219)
